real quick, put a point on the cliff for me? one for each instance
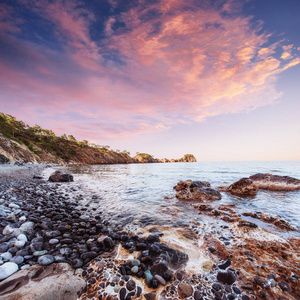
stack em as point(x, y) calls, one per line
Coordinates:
point(20, 142)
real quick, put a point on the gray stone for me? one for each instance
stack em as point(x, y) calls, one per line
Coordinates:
point(8, 269)
point(46, 260)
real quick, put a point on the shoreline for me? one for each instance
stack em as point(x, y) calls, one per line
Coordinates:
point(258, 263)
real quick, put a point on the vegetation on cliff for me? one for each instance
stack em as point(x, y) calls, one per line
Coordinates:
point(19, 141)
point(65, 148)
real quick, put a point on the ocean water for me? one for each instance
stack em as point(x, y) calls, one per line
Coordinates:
point(144, 192)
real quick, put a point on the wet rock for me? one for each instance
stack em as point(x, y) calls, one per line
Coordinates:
point(226, 277)
point(243, 223)
point(196, 190)
point(122, 293)
point(130, 285)
point(185, 290)
point(284, 286)
point(4, 247)
point(225, 265)
point(46, 260)
point(58, 176)
point(243, 187)
point(160, 279)
point(17, 259)
point(150, 296)
point(7, 269)
point(275, 182)
point(89, 255)
point(148, 277)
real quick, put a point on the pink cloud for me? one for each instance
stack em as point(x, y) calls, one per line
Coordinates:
point(185, 65)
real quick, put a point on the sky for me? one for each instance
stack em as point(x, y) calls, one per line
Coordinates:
point(215, 78)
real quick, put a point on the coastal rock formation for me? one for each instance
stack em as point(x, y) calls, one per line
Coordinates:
point(188, 158)
point(196, 190)
point(58, 176)
point(185, 158)
point(56, 281)
point(145, 158)
point(243, 187)
point(275, 182)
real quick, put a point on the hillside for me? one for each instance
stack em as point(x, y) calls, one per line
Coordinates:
point(20, 142)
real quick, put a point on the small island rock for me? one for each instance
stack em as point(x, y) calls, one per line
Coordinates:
point(196, 190)
point(275, 182)
point(243, 187)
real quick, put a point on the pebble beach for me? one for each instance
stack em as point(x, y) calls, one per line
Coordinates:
point(44, 225)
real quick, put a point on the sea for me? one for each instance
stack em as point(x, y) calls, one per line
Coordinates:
point(144, 194)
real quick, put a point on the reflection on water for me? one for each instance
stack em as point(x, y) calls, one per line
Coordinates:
point(139, 190)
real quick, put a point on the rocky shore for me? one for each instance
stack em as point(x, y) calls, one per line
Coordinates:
point(53, 248)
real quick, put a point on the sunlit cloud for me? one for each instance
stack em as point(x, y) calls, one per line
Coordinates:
point(172, 61)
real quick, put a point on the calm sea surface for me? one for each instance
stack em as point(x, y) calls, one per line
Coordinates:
point(139, 191)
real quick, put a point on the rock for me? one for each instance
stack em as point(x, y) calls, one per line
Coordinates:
point(160, 279)
point(148, 277)
point(196, 190)
point(6, 256)
point(243, 223)
point(7, 269)
point(284, 286)
point(56, 281)
point(53, 241)
point(27, 226)
point(185, 290)
point(58, 176)
point(150, 296)
point(225, 265)
point(243, 187)
point(8, 230)
point(134, 269)
point(130, 285)
point(20, 244)
point(13, 205)
point(3, 159)
point(4, 247)
point(275, 182)
point(226, 277)
point(22, 237)
point(17, 259)
point(45, 260)
point(207, 266)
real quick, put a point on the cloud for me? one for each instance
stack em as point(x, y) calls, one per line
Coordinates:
point(173, 61)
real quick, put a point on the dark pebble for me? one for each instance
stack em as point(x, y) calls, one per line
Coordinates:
point(130, 285)
point(284, 286)
point(226, 277)
point(225, 265)
point(122, 293)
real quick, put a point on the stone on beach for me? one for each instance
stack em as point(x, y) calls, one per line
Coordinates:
point(8, 269)
point(243, 187)
point(58, 176)
point(196, 190)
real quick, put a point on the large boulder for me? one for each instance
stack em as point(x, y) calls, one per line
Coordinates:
point(243, 187)
point(275, 182)
point(55, 281)
point(58, 176)
point(196, 190)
